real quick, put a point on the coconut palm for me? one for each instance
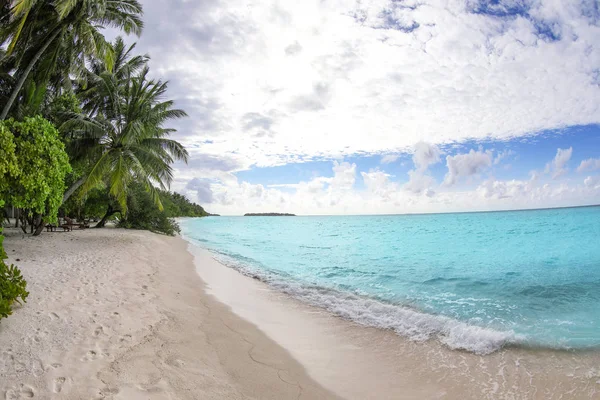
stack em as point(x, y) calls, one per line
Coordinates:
point(39, 33)
point(125, 137)
point(99, 91)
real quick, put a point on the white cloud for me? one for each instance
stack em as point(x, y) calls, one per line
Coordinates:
point(492, 188)
point(558, 166)
point(203, 192)
point(419, 182)
point(284, 81)
point(591, 164)
point(344, 176)
point(381, 195)
point(389, 158)
point(503, 155)
point(378, 183)
point(592, 182)
point(466, 165)
point(425, 155)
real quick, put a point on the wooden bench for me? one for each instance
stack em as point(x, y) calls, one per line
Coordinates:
point(53, 228)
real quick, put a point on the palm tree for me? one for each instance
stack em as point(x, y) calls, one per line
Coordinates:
point(123, 134)
point(99, 89)
point(43, 31)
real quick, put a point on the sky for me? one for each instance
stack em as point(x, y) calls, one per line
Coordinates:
point(382, 106)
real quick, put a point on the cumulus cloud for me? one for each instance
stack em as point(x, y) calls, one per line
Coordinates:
point(424, 155)
point(592, 182)
point(419, 182)
point(381, 195)
point(557, 167)
point(591, 164)
point(378, 184)
point(344, 176)
point(498, 189)
point(466, 165)
point(201, 187)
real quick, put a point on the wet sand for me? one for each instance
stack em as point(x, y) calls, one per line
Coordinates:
point(358, 362)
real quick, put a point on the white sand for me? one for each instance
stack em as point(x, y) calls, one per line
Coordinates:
point(119, 314)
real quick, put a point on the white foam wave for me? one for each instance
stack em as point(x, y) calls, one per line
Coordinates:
point(404, 321)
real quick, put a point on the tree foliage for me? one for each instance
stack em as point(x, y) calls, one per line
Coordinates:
point(122, 129)
point(34, 179)
point(177, 205)
point(143, 213)
point(49, 41)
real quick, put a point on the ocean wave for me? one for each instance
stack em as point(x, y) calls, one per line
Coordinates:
point(407, 322)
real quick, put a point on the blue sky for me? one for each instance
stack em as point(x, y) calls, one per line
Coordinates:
point(526, 154)
point(382, 106)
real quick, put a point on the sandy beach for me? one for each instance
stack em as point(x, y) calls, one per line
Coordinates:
point(117, 314)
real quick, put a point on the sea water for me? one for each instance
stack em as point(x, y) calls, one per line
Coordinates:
point(474, 281)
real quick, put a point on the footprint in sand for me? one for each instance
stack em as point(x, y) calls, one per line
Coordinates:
point(32, 339)
point(109, 392)
point(99, 330)
point(7, 358)
point(53, 366)
point(90, 356)
point(93, 355)
point(22, 392)
point(58, 384)
point(54, 316)
point(175, 362)
point(125, 338)
point(37, 369)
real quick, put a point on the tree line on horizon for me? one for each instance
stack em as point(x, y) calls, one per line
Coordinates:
point(83, 125)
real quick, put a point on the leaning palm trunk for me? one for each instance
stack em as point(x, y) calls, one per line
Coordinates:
point(25, 74)
point(73, 189)
point(109, 212)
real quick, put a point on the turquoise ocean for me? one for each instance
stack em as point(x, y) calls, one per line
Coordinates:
point(474, 281)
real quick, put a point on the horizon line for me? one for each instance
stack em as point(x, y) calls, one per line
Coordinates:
point(419, 213)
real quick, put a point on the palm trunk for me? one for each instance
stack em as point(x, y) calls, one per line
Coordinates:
point(72, 189)
point(110, 211)
point(23, 78)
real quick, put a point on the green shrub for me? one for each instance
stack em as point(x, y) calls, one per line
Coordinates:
point(142, 213)
point(12, 285)
point(12, 288)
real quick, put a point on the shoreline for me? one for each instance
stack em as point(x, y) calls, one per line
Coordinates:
point(357, 361)
point(116, 314)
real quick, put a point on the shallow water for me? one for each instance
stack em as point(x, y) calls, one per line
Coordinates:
point(475, 281)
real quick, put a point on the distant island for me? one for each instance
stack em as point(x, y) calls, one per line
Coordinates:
point(269, 215)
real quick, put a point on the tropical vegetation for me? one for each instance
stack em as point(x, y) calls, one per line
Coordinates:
point(84, 125)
